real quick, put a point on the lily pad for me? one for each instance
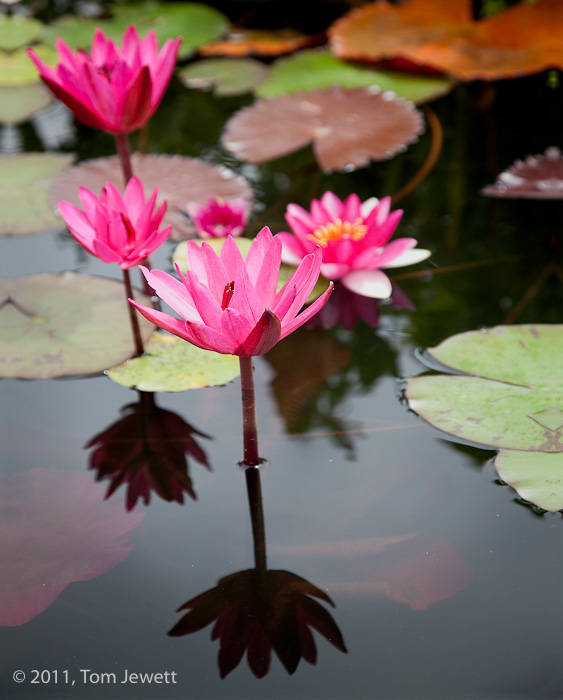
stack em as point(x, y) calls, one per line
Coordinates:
point(173, 364)
point(196, 23)
point(179, 179)
point(24, 179)
point(538, 478)
point(348, 127)
point(16, 68)
point(17, 31)
point(538, 177)
point(320, 69)
point(262, 42)
point(64, 325)
point(18, 104)
point(227, 76)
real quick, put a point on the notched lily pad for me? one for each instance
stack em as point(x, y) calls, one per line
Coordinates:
point(16, 68)
point(64, 325)
point(538, 478)
point(173, 364)
point(17, 31)
point(347, 127)
point(179, 180)
point(24, 180)
point(317, 68)
point(226, 76)
point(538, 177)
point(18, 104)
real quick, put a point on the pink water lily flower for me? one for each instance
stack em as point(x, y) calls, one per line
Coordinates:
point(115, 228)
point(354, 239)
point(113, 89)
point(231, 305)
point(218, 218)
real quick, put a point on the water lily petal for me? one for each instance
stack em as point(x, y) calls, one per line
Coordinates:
point(368, 283)
point(409, 257)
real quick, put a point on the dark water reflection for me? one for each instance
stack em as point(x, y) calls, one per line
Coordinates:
point(444, 586)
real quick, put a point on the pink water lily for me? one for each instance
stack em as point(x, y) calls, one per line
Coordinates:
point(231, 305)
point(117, 229)
point(113, 89)
point(218, 218)
point(354, 239)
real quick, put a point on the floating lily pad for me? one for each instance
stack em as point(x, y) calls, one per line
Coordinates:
point(538, 478)
point(348, 127)
point(227, 76)
point(16, 68)
point(173, 364)
point(63, 325)
point(18, 104)
point(196, 23)
point(17, 31)
point(538, 177)
point(24, 179)
point(262, 42)
point(179, 179)
point(320, 69)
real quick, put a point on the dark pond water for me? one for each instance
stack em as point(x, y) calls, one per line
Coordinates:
point(445, 585)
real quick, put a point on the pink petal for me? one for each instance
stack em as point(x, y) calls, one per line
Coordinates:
point(409, 257)
point(308, 313)
point(263, 336)
point(293, 250)
point(165, 321)
point(368, 283)
point(373, 258)
point(333, 206)
point(334, 271)
point(173, 292)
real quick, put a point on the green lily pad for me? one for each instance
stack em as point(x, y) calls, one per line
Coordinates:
point(16, 68)
point(227, 76)
point(180, 258)
point(197, 23)
point(515, 400)
point(24, 180)
point(64, 325)
point(18, 104)
point(173, 364)
point(17, 31)
point(315, 68)
point(538, 478)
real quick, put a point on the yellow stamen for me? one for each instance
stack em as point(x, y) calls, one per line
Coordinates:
point(337, 229)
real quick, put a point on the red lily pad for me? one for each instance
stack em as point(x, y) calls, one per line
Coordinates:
point(179, 179)
point(538, 177)
point(440, 34)
point(347, 127)
point(55, 529)
point(63, 325)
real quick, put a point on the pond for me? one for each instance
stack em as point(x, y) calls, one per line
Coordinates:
point(446, 582)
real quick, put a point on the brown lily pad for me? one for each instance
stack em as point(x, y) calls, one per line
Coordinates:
point(347, 127)
point(537, 177)
point(440, 34)
point(64, 325)
point(56, 529)
point(179, 180)
point(242, 42)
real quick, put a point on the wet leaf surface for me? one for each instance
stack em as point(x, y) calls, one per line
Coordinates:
point(17, 31)
point(173, 364)
point(537, 478)
point(24, 180)
point(179, 179)
point(56, 529)
point(347, 127)
point(63, 325)
point(523, 39)
point(317, 68)
point(18, 104)
point(537, 177)
point(226, 76)
point(195, 22)
point(16, 68)
point(242, 42)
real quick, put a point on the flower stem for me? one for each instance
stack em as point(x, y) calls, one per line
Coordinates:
point(124, 152)
point(249, 426)
point(139, 349)
point(254, 491)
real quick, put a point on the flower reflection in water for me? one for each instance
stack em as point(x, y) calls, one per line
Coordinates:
point(148, 450)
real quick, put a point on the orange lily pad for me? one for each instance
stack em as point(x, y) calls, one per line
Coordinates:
point(242, 42)
point(537, 177)
point(347, 127)
point(440, 34)
point(179, 179)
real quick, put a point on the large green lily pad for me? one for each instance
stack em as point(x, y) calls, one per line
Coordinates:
point(64, 325)
point(18, 104)
point(227, 76)
point(538, 478)
point(16, 68)
point(316, 68)
point(17, 31)
point(195, 22)
point(24, 180)
point(173, 364)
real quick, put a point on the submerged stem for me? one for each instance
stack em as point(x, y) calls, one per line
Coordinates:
point(124, 152)
point(139, 349)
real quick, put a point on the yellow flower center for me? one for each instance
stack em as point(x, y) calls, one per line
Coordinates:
point(337, 229)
